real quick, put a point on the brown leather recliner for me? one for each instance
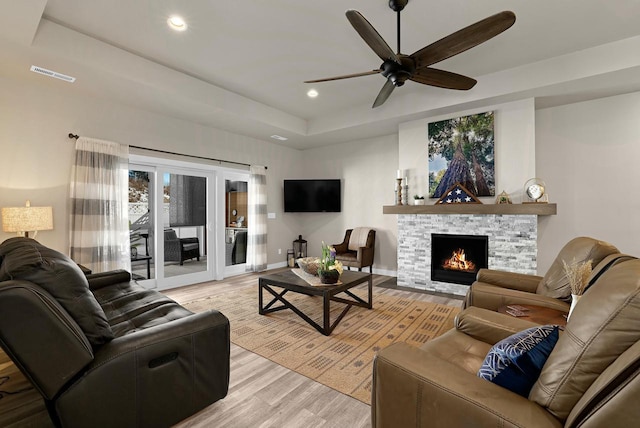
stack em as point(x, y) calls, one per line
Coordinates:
point(357, 248)
point(102, 350)
point(493, 288)
point(591, 378)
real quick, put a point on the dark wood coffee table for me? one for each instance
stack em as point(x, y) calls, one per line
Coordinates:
point(540, 315)
point(289, 281)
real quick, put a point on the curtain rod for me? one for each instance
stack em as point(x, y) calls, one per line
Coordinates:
point(75, 137)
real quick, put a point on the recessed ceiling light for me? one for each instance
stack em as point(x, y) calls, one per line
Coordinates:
point(312, 93)
point(177, 23)
point(279, 137)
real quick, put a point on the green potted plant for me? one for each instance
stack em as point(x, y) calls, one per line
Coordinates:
point(329, 269)
point(418, 200)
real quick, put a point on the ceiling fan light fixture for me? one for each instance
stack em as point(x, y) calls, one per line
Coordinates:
point(398, 67)
point(312, 93)
point(177, 23)
point(397, 5)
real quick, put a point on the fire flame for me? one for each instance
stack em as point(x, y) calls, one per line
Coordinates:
point(458, 261)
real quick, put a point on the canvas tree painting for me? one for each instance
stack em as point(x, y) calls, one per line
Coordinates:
point(461, 150)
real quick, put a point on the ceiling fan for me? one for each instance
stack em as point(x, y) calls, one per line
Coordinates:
point(397, 67)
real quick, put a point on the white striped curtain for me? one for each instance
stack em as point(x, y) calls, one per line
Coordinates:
point(257, 220)
point(99, 205)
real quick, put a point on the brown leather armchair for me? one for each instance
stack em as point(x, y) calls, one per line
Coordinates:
point(591, 379)
point(493, 288)
point(357, 248)
point(102, 350)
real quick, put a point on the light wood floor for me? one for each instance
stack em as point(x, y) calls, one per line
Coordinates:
point(261, 393)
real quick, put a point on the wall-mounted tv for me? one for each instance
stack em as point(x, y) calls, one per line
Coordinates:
point(312, 196)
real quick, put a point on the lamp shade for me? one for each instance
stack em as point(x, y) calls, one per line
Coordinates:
point(27, 219)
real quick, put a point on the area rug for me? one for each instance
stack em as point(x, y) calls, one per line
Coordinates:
point(343, 360)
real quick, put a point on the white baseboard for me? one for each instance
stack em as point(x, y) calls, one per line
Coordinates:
point(277, 265)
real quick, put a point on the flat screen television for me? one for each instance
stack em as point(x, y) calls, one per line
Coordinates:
point(312, 196)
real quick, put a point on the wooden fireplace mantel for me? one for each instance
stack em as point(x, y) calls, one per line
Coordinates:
point(506, 209)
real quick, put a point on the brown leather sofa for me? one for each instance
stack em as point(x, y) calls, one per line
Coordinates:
point(102, 350)
point(357, 248)
point(590, 379)
point(493, 288)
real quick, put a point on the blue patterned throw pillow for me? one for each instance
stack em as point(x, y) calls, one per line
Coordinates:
point(516, 362)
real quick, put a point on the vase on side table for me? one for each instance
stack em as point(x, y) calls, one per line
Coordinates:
point(574, 302)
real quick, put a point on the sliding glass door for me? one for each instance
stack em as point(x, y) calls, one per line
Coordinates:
point(171, 211)
point(184, 221)
point(188, 222)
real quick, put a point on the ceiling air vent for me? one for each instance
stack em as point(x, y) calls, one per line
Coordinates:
point(54, 74)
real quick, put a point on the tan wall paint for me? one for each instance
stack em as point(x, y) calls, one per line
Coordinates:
point(368, 170)
point(587, 153)
point(514, 129)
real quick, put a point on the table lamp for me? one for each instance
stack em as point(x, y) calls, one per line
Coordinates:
point(26, 219)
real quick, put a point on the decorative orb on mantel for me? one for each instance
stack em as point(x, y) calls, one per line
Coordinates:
point(535, 192)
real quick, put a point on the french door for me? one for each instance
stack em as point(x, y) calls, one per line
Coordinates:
point(172, 211)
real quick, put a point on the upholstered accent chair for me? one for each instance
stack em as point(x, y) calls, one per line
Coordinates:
point(493, 288)
point(357, 248)
point(102, 350)
point(180, 249)
point(590, 379)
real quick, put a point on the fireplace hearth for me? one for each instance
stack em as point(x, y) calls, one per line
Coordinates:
point(457, 258)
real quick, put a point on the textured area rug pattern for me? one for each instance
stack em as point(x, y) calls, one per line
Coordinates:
point(342, 361)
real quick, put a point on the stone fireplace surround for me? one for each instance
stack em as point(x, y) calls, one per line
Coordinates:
point(512, 245)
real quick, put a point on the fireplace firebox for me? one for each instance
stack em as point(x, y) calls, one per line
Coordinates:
point(457, 258)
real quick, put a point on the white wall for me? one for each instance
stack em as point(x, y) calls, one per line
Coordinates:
point(37, 154)
point(514, 130)
point(587, 153)
point(368, 171)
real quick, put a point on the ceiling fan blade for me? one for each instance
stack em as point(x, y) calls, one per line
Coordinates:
point(371, 36)
point(346, 76)
point(384, 94)
point(463, 39)
point(443, 79)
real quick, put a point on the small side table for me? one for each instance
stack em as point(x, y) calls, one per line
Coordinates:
point(144, 258)
point(540, 315)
